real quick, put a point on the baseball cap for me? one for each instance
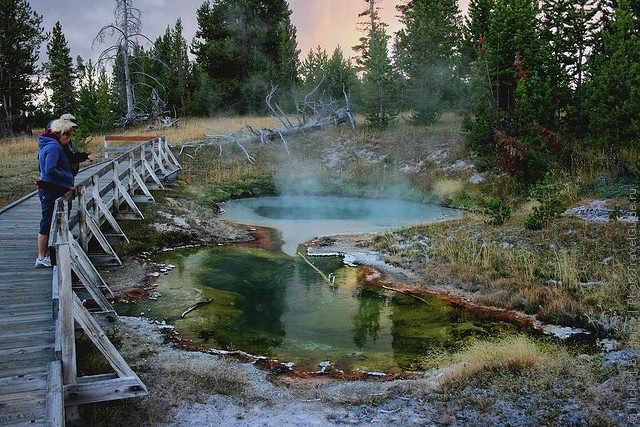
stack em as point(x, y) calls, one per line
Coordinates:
point(69, 117)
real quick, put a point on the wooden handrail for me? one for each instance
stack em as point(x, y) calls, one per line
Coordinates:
point(141, 163)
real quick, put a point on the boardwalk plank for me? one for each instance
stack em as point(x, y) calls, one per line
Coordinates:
point(19, 384)
point(29, 410)
point(24, 339)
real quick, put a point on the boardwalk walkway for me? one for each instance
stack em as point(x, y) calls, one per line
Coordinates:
point(28, 387)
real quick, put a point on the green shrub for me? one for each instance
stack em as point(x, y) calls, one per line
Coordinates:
point(551, 205)
point(498, 210)
point(616, 213)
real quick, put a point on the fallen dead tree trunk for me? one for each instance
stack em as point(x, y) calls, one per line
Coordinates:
point(260, 136)
point(323, 117)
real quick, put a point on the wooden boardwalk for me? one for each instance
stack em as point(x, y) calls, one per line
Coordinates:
point(31, 392)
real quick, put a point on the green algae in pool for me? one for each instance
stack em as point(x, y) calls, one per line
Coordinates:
point(268, 303)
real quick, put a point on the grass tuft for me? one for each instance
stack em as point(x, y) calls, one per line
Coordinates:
point(509, 355)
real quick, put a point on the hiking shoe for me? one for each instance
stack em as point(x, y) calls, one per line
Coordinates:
point(44, 262)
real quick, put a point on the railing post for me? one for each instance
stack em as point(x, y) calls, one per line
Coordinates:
point(143, 161)
point(95, 184)
point(153, 145)
point(162, 150)
point(82, 218)
point(131, 189)
point(116, 191)
point(67, 326)
point(105, 144)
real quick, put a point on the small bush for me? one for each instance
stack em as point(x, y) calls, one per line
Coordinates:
point(551, 205)
point(563, 310)
point(616, 213)
point(498, 210)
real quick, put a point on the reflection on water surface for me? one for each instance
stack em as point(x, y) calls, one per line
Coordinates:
point(268, 303)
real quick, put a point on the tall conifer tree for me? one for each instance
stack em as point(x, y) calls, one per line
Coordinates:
point(60, 74)
point(613, 85)
point(428, 53)
point(380, 96)
point(245, 47)
point(20, 37)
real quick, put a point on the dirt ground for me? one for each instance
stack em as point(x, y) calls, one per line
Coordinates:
point(194, 388)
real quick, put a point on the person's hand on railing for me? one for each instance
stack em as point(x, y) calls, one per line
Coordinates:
point(91, 158)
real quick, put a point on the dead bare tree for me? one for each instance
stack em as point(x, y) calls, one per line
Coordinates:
point(127, 29)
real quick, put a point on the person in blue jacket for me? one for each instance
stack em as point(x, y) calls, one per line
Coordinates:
point(56, 178)
point(75, 157)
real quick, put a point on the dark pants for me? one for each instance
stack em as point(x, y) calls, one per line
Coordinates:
point(48, 198)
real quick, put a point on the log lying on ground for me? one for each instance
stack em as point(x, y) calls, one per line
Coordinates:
point(324, 114)
point(194, 306)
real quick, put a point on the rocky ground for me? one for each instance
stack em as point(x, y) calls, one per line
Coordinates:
point(191, 388)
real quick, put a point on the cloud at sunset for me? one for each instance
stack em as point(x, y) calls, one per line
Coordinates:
point(324, 23)
point(333, 23)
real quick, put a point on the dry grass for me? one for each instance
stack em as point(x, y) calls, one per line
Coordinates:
point(566, 271)
point(448, 188)
point(18, 156)
point(195, 128)
point(18, 168)
point(509, 355)
point(572, 273)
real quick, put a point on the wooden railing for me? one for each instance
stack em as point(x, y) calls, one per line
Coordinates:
point(98, 201)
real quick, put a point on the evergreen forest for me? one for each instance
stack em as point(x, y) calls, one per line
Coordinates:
point(539, 83)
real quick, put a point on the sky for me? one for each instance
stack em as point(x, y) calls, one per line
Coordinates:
point(325, 23)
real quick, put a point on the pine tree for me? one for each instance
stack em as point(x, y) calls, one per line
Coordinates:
point(427, 52)
point(515, 111)
point(246, 47)
point(96, 107)
point(380, 96)
point(314, 67)
point(476, 28)
point(568, 30)
point(613, 86)
point(60, 73)
point(20, 37)
point(329, 77)
point(342, 78)
point(169, 64)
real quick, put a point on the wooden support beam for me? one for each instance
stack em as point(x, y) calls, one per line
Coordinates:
point(100, 339)
point(102, 343)
point(150, 170)
point(127, 198)
point(83, 235)
point(102, 390)
point(158, 160)
point(89, 276)
point(106, 213)
point(115, 191)
point(141, 184)
point(102, 240)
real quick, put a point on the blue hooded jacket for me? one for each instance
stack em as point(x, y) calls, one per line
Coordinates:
point(54, 164)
